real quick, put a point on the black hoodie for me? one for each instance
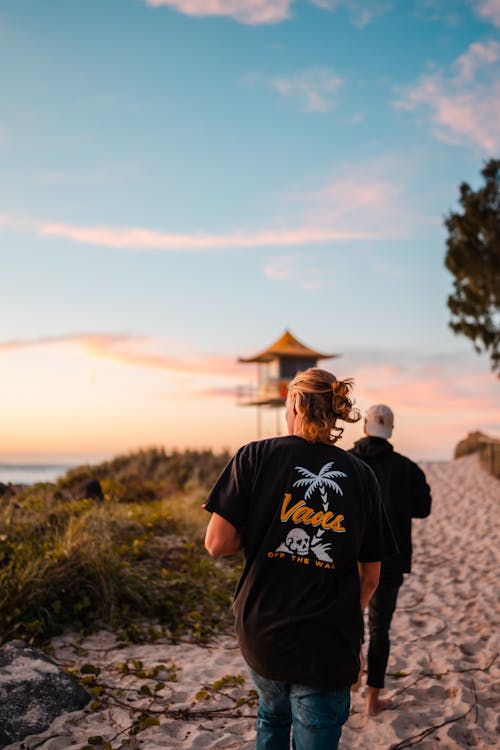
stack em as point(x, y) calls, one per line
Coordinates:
point(405, 494)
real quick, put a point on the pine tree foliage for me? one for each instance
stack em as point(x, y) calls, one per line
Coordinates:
point(473, 257)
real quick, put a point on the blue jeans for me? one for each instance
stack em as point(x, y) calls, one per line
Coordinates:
point(316, 715)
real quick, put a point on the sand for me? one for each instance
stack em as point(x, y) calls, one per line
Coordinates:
point(443, 673)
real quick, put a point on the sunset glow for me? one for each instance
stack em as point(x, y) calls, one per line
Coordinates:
point(183, 181)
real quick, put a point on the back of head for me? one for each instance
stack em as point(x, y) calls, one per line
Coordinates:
point(379, 421)
point(321, 399)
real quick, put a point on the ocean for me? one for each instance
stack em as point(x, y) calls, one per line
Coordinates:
point(32, 473)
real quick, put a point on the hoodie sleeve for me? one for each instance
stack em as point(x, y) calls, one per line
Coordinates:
point(420, 494)
point(378, 543)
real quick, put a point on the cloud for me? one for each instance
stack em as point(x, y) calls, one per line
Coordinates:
point(451, 12)
point(446, 383)
point(147, 239)
point(296, 269)
point(463, 106)
point(15, 222)
point(252, 12)
point(375, 206)
point(362, 12)
point(314, 89)
point(477, 56)
point(344, 199)
point(436, 399)
point(353, 207)
point(257, 12)
point(489, 10)
point(424, 387)
point(370, 199)
point(132, 351)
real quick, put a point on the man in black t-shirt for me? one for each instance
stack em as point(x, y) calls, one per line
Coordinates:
point(306, 514)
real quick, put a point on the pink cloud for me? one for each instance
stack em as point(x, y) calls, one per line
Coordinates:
point(342, 200)
point(432, 388)
point(465, 107)
point(362, 12)
point(15, 222)
point(436, 401)
point(256, 12)
point(477, 56)
point(252, 12)
point(490, 10)
point(134, 352)
point(297, 269)
point(349, 208)
point(444, 385)
point(146, 239)
point(376, 204)
point(316, 89)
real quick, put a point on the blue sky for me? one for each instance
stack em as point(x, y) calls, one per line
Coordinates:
point(181, 180)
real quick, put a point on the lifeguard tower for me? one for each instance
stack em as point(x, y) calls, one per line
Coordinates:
point(277, 366)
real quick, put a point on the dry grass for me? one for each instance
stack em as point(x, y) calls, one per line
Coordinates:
point(75, 562)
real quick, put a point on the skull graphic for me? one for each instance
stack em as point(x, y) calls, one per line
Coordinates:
point(296, 543)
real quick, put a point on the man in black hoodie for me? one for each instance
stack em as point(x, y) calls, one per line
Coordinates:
point(405, 495)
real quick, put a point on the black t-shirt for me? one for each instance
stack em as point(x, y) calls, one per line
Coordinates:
point(307, 513)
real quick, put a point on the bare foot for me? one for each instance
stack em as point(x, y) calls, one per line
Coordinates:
point(375, 705)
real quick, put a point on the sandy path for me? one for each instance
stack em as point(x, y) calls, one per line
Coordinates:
point(444, 667)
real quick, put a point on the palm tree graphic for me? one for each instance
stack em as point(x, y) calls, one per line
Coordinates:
point(324, 480)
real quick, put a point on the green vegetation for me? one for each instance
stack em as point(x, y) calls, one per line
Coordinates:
point(473, 258)
point(137, 556)
point(154, 699)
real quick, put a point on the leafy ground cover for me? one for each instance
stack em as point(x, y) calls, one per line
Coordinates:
point(137, 555)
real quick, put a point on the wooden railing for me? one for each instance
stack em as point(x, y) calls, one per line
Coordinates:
point(489, 456)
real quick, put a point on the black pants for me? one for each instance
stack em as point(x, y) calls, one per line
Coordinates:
point(380, 611)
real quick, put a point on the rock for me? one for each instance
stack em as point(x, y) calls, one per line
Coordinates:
point(34, 690)
point(91, 489)
point(6, 491)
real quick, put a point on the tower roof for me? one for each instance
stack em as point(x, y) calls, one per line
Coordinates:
point(286, 346)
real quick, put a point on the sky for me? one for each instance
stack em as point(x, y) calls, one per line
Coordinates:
point(183, 180)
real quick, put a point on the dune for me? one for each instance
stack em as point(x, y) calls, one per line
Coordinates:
point(443, 673)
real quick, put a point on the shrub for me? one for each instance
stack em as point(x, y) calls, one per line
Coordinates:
point(470, 444)
point(84, 564)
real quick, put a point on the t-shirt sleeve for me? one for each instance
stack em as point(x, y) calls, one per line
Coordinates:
point(230, 495)
point(378, 542)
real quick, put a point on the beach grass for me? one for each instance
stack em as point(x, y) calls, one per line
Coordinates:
point(137, 555)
